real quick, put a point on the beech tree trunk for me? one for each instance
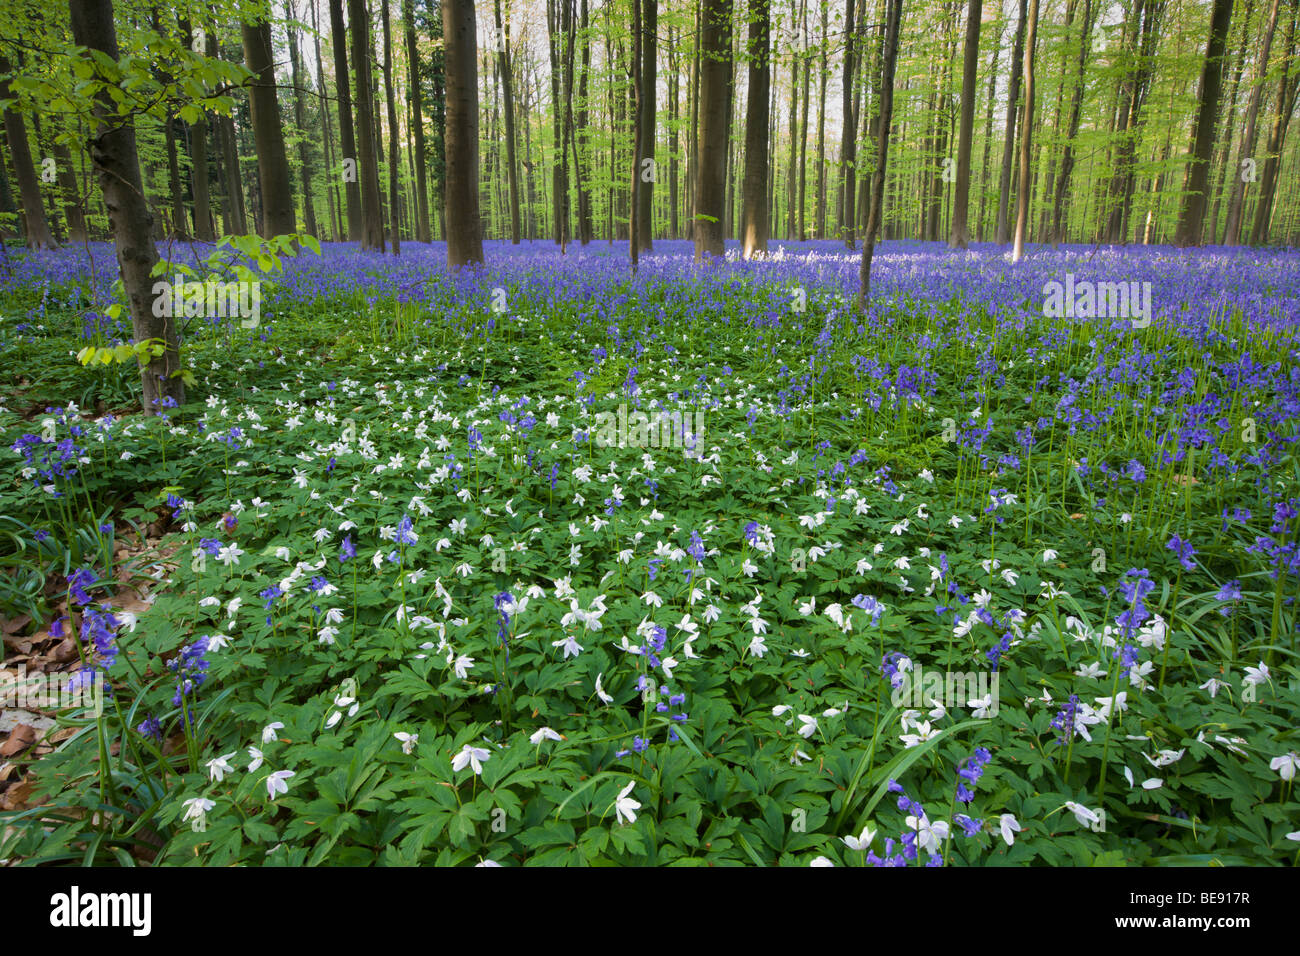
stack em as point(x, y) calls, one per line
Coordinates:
point(754, 188)
point(347, 138)
point(268, 133)
point(304, 159)
point(714, 129)
point(1076, 112)
point(1193, 218)
point(646, 119)
point(960, 234)
point(1232, 231)
point(1003, 233)
point(507, 92)
point(464, 227)
point(893, 16)
point(1026, 137)
point(394, 151)
point(113, 152)
point(372, 213)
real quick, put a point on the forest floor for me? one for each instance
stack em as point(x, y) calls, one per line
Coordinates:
point(549, 563)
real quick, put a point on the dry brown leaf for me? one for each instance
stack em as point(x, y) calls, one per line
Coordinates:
point(15, 798)
point(66, 651)
point(20, 738)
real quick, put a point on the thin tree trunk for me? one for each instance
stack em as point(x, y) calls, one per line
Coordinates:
point(988, 132)
point(820, 217)
point(1003, 234)
point(1076, 112)
point(1189, 227)
point(894, 13)
point(1286, 99)
point(1232, 231)
point(507, 90)
point(1026, 137)
point(849, 141)
point(960, 234)
point(347, 139)
point(332, 197)
point(204, 229)
point(394, 151)
point(299, 119)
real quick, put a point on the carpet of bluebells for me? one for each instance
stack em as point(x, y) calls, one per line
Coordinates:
point(400, 604)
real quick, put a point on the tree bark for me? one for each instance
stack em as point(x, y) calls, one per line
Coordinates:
point(304, 158)
point(507, 92)
point(113, 152)
point(714, 129)
point(960, 235)
point(464, 227)
point(1026, 137)
point(268, 132)
point(755, 234)
point(1189, 227)
point(347, 138)
point(372, 222)
point(1076, 111)
point(849, 140)
point(1286, 100)
point(893, 16)
point(394, 151)
point(1232, 230)
point(1003, 233)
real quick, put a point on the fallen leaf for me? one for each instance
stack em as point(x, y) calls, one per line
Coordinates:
point(20, 738)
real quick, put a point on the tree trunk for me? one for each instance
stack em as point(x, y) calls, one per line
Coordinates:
point(988, 132)
point(960, 235)
point(178, 230)
point(646, 119)
point(507, 92)
point(582, 134)
point(268, 132)
point(367, 169)
point(464, 228)
point(849, 141)
point(234, 178)
point(204, 228)
point(347, 139)
point(1076, 111)
point(1133, 91)
point(1232, 231)
point(113, 152)
point(1003, 234)
point(820, 217)
point(332, 197)
point(754, 238)
point(1026, 137)
point(1286, 99)
point(1189, 227)
point(714, 129)
point(894, 13)
point(299, 119)
point(394, 151)
point(674, 123)
point(73, 207)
